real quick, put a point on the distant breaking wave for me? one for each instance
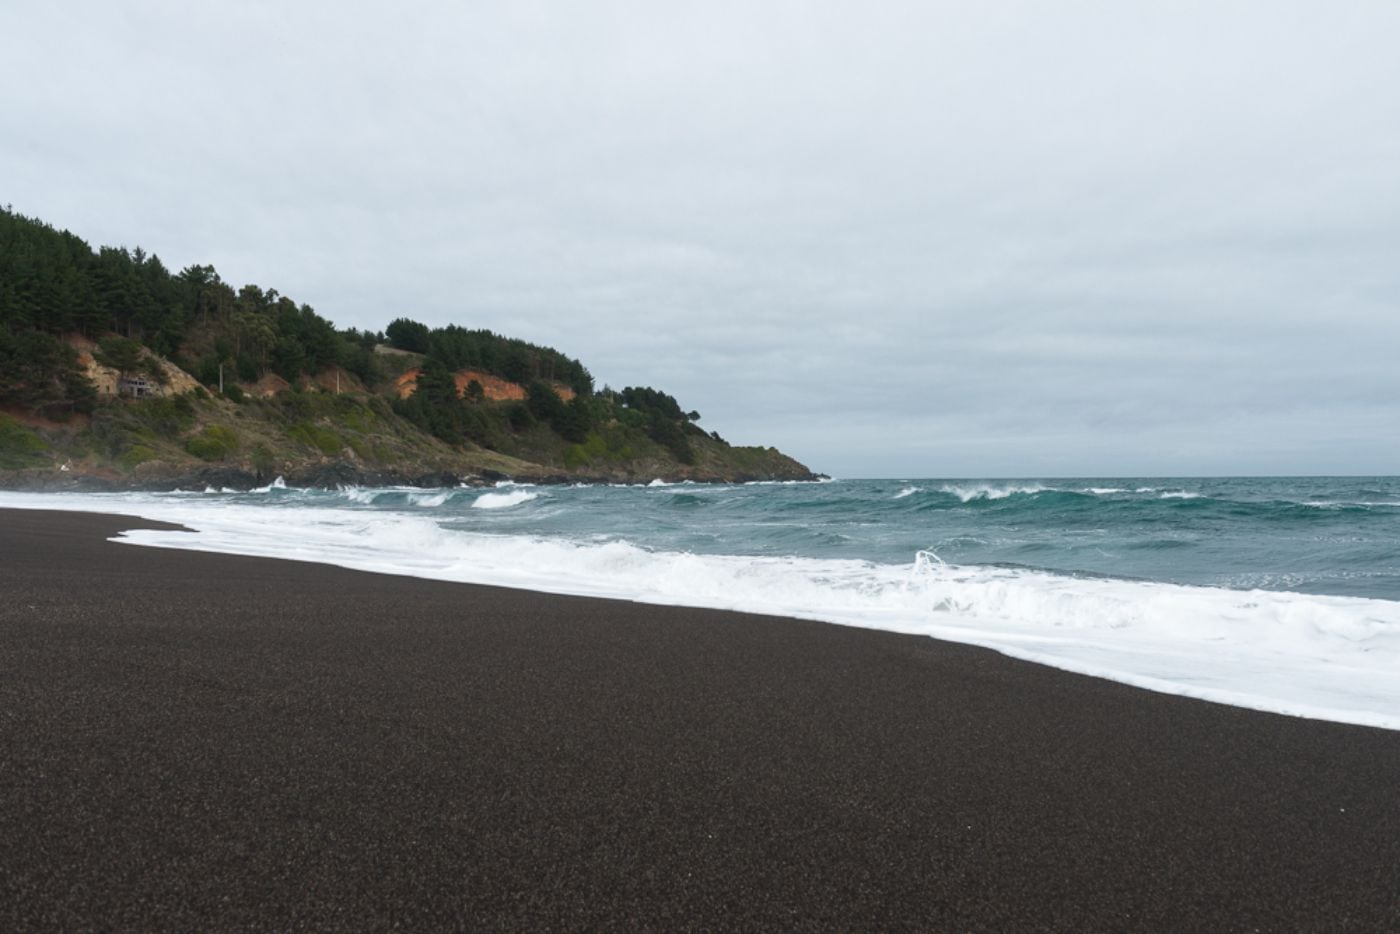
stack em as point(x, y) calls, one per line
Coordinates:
point(984, 491)
point(503, 500)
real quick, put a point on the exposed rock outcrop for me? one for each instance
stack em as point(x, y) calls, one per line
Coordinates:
point(110, 382)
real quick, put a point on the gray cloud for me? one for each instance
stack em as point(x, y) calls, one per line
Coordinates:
point(899, 239)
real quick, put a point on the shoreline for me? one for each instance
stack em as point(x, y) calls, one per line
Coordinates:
point(333, 477)
point(1332, 687)
point(197, 739)
point(45, 480)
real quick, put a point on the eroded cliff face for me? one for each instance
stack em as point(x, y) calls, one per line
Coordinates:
point(109, 382)
point(494, 388)
point(169, 432)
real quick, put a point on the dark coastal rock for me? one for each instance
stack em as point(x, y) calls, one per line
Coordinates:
point(344, 473)
point(161, 476)
point(218, 478)
point(59, 481)
point(437, 479)
point(336, 473)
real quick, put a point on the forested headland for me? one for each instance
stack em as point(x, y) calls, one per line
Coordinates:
point(117, 371)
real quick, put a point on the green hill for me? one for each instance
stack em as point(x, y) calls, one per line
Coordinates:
point(116, 373)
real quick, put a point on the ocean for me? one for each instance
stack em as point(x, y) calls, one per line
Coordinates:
point(1278, 594)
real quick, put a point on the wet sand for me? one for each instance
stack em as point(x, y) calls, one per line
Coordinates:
point(197, 741)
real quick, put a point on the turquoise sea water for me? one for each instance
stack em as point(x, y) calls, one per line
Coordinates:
point(1325, 535)
point(1276, 593)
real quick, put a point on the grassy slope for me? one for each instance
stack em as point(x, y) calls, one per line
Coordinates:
point(149, 441)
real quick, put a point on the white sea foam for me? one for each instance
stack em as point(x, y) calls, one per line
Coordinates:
point(1329, 657)
point(414, 496)
point(503, 500)
point(1345, 504)
point(971, 492)
point(1179, 494)
point(790, 482)
point(908, 491)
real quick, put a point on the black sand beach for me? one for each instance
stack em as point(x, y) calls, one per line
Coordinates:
point(193, 741)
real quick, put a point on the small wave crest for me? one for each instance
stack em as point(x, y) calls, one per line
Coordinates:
point(503, 500)
point(411, 496)
point(968, 493)
point(1338, 504)
point(985, 491)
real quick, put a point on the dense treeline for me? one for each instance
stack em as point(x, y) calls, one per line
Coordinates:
point(663, 419)
point(655, 402)
point(53, 284)
point(38, 371)
point(438, 408)
point(518, 361)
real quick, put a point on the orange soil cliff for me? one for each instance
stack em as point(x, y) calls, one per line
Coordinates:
point(495, 388)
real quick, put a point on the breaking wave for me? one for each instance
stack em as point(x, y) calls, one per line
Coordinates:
point(503, 500)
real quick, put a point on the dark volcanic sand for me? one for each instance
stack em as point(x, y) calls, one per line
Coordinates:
point(191, 741)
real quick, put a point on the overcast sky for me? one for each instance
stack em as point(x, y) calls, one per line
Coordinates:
point(892, 239)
